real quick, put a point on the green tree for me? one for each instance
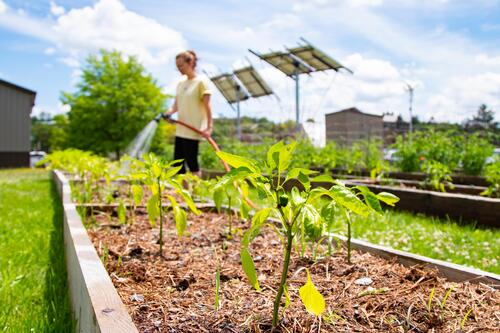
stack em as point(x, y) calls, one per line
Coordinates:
point(59, 133)
point(115, 99)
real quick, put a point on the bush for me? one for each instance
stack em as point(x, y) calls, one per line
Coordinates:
point(476, 151)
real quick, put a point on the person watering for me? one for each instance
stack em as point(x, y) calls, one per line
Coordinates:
point(192, 102)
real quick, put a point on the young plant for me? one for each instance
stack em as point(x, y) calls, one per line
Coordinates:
point(492, 174)
point(230, 192)
point(438, 175)
point(267, 180)
point(295, 210)
point(157, 174)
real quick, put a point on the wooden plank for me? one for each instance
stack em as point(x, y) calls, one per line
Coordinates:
point(452, 272)
point(95, 302)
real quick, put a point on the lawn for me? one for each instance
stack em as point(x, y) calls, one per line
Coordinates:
point(33, 288)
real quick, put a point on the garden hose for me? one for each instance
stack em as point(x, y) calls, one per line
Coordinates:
point(210, 141)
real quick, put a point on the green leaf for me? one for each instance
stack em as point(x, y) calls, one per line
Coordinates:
point(249, 268)
point(312, 221)
point(257, 221)
point(323, 179)
point(273, 155)
point(153, 209)
point(302, 175)
point(244, 209)
point(311, 298)
point(122, 213)
point(285, 157)
point(388, 198)
point(156, 170)
point(180, 220)
point(261, 216)
point(296, 197)
point(370, 198)
point(218, 197)
point(237, 161)
point(287, 296)
point(137, 194)
point(172, 172)
point(179, 216)
point(344, 197)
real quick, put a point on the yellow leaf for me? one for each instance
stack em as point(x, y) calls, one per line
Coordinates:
point(312, 299)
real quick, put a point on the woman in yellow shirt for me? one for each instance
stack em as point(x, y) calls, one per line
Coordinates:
point(192, 102)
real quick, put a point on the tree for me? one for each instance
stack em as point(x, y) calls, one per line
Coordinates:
point(115, 99)
point(484, 119)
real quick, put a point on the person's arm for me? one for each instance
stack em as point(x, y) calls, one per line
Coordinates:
point(208, 108)
point(173, 109)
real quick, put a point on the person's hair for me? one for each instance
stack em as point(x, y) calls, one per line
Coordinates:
point(189, 57)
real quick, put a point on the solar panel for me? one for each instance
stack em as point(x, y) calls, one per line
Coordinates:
point(253, 82)
point(316, 58)
point(286, 63)
point(227, 85)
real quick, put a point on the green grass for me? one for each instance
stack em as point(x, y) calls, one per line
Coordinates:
point(33, 287)
point(442, 239)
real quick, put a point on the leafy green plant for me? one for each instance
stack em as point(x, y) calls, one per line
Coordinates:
point(295, 210)
point(157, 174)
point(476, 151)
point(438, 175)
point(492, 174)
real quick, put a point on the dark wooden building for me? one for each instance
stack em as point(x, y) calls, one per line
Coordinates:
point(350, 125)
point(16, 104)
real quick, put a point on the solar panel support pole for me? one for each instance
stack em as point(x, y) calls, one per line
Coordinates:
point(297, 97)
point(238, 121)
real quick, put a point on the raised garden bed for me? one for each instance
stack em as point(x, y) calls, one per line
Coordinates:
point(176, 292)
point(417, 176)
point(463, 207)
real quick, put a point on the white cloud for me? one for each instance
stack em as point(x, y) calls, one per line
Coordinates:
point(107, 24)
point(484, 59)
point(55, 9)
point(3, 7)
point(49, 51)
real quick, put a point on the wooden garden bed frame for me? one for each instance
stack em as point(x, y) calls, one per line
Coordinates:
point(97, 306)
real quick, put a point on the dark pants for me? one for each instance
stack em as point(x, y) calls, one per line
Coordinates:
point(187, 150)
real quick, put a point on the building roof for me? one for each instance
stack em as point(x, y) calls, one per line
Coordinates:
point(353, 109)
point(15, 86)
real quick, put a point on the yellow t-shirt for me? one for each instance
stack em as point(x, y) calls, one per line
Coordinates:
point(191, 109)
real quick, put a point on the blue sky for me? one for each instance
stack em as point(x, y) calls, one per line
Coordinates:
point(449, 50)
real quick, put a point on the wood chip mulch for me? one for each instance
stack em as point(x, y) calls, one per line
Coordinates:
point(176, 292)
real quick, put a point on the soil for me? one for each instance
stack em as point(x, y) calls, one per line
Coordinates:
point(175, 292)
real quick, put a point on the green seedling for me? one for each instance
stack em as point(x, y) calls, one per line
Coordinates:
point(157, 174)
point(217, 288)
point(295, 210)
point(464, 319)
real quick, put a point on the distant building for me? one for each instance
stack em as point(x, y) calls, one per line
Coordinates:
point(350, 125)
point(15, 108)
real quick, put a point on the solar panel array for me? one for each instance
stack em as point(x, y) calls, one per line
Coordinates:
point(253, 82)
point(228, 87)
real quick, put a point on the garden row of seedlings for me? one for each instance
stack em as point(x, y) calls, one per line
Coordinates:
point(195, 283)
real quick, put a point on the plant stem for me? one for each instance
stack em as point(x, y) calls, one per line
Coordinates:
point(161, 218)
point(284, 273)
point(348, 238)
point(230, 215)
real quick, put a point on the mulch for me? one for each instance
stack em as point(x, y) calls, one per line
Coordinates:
point(175, 292)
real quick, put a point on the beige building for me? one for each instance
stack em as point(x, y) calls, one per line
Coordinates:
point(15, 124)
point(350, 125)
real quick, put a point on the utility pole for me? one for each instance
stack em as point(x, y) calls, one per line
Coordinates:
point(410, 91)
